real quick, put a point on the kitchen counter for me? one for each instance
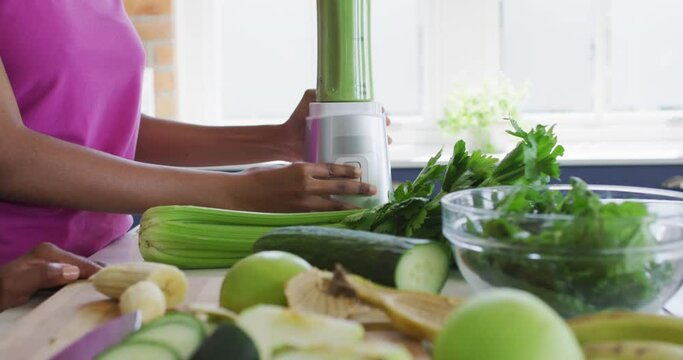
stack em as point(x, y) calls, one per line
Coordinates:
point(57, 317)
point(125, 249)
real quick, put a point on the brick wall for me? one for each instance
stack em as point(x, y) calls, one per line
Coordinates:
point(153, 20)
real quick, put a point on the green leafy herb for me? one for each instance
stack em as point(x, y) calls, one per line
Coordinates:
point(568, 277)
point(415, 210)
point(534, 158)
point(424, 184)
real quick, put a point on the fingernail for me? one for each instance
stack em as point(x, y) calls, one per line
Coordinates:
point(372, 189)
point(70, 272)
point(357, 172)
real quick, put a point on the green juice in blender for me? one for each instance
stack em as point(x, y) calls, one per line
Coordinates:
point(344, 58)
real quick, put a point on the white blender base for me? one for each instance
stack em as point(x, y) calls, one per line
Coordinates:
point(353, 134)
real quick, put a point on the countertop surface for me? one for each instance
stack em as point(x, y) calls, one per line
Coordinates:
point(125, 249)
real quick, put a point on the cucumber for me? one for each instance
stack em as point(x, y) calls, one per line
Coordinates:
point(227, 342)
point(404, 263)
point(176, 317)
point(182, 333)
point(140, 350)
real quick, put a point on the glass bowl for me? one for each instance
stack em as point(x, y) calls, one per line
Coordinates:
point(579, 266)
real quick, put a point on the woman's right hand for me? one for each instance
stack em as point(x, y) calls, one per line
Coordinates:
point(300, 187)
point(45, 266)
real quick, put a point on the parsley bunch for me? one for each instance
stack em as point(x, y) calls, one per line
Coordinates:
point(415, 210)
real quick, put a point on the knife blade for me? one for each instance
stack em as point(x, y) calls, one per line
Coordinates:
point(103, 337)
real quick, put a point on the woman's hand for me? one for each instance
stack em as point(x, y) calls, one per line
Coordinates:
point(46, 266)
point(300, 187)
point(293, 132)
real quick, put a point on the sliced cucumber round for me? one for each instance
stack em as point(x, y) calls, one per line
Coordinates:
point(175, 317)
point(140, 350)
point(425, 267)
point(182, 333)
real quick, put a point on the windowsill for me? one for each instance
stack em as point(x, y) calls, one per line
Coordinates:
point(620, 139)
point(412, 156)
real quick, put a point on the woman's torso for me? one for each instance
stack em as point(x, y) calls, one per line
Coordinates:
point(76, 69)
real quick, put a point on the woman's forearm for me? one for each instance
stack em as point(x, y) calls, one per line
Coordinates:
point(178, 144)
point(41, 170)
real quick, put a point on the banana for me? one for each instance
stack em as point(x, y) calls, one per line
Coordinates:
point(621, 326)
point(145, 296)
point(633, 350)
point(114, 280)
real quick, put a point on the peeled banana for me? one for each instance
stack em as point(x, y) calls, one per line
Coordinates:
point(146, 297)
point(633, 350)
point(623, 326)
point(114, 280)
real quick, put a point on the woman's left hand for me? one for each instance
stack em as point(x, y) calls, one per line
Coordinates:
point(294, 130)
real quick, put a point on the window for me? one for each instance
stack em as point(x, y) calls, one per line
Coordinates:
point(595, 55)
point(611, 66)
point(147, 101)
point(549, 46)
point(646, 56)
point(260, 55)
point(606, 71)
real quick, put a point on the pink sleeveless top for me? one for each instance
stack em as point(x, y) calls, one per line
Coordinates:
point(76, 70)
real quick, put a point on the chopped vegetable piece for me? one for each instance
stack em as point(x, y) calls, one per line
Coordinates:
point(199, 238)
point(227, 342)
point(411, 264)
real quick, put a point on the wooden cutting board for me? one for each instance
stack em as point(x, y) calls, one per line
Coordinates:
point(77, 309)
point(73, 312)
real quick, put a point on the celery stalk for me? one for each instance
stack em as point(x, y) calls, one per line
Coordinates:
point(199, 238)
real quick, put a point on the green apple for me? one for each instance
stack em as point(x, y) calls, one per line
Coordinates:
point(506, 324)
point(260, 279)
